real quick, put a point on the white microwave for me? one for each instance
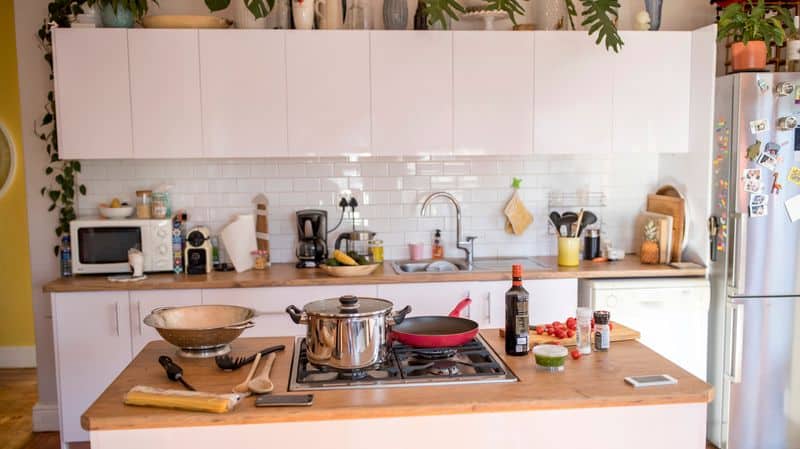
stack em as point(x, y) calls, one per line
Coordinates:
point(101, 246)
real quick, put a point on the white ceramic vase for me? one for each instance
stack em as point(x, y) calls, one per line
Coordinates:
point(303, 14)
point(244, 18)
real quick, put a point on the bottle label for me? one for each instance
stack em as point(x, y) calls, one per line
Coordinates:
point(602, 339)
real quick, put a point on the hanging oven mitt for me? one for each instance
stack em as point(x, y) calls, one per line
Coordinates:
point(517, 216)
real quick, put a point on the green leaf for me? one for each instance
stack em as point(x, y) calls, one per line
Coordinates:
point(52, 206)
point(439, 10)
point(48, 170)
point(512, 7)
point(44, 189)
point(82, 189)
point(599, 16)
point(217, 5)
point(257, 7)
point(55, 250)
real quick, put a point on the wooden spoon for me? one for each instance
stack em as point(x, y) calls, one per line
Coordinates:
point(242, 388)
point(261, 383)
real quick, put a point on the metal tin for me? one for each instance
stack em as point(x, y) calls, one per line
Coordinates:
point(347, 333)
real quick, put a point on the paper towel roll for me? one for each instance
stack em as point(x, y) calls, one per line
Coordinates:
point(239, 238)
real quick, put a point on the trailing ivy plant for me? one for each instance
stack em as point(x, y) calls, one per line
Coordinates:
point(599, 16)
point(63, 187)
point(137, 7)
point(259, 8)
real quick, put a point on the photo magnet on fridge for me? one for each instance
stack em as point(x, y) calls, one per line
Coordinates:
point(758, 126)
point(754, 150)
point(758, 205)
point(752, 180)
point(767, 161)
point(794, 175)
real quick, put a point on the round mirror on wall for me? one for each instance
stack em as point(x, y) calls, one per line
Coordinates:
point(6, 159)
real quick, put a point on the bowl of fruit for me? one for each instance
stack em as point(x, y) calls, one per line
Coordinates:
point(116, 210)
point(346, 265)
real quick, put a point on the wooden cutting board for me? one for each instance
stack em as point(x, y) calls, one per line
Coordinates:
point(619, 333)
point(676, 207)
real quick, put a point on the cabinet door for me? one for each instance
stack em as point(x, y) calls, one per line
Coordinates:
point(92, 339)
point(651, 107)
point(165, 93)
point(572, 93)
point(431, 298)
point(142, 302)
point(550, 300)
point(493, 92)
point(328, 92)
point(412, 92)
point(243, 85)
point(271, 303)
point(94, 112)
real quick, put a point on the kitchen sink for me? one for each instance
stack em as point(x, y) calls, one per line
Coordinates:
point(480, 264)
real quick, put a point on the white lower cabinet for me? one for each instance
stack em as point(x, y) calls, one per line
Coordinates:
point(550, 300)
point(271, 303)
point(141, 303)
point(92, 338)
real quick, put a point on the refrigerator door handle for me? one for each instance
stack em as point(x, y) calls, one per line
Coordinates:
point(738, 254)
point(737, 342)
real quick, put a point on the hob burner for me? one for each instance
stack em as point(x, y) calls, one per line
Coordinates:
point(434, 353)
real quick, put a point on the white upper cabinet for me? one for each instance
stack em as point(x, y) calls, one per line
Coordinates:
point(493, 92)
point(92, 94)
point(243, 85)
point(412, 92)
point(328, 92)
point(573, 93)
point(651, 103)
point(165, 93)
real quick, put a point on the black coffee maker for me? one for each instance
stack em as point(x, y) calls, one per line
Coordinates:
point(312, 234)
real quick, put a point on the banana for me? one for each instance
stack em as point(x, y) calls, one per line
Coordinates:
point(343, 258)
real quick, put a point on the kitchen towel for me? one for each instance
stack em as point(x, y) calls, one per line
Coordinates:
point(239, 238)
point(517, 216)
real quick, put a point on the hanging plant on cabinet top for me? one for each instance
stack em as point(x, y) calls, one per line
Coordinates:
point(259, 8)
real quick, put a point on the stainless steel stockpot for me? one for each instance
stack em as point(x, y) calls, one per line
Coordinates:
point(347, 333)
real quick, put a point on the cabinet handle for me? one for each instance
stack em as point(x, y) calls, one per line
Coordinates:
point(139, 316)
point(489, 307)
point(116, 319)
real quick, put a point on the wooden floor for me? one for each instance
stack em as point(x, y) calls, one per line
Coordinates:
point(17, 397)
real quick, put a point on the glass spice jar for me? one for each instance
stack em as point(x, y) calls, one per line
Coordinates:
point(160, 205)
point(143, 203)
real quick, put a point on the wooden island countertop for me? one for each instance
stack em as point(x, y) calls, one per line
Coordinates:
point(285, 274)
point(591, 382)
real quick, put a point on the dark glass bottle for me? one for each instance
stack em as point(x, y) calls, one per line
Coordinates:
point(421, 17)
point(517, 341)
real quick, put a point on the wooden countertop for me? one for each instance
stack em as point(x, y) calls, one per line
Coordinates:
point(592, 381)
point(287, 275)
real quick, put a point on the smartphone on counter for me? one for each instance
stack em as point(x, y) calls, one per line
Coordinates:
point(650, 381)
point(284, 400)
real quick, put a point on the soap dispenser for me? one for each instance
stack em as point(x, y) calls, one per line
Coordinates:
point(437, 251)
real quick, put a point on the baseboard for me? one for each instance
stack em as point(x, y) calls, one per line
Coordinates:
point(17, 356)
point(45, 417)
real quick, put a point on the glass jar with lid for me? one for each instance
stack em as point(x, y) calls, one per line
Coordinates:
point(160, 205)
point(143, 198)
point(376, 250)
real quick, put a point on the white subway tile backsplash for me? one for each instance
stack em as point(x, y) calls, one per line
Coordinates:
point(390, 191)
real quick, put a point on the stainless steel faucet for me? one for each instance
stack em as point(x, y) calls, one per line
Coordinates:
point(467, 245)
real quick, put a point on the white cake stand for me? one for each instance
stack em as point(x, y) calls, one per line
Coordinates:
point(488, 17)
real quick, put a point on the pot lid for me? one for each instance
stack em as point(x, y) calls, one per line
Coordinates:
point(348, 305)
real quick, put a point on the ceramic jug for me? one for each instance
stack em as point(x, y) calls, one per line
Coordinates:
point(330, 14)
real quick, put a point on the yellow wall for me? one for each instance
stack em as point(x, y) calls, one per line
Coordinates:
point(16, 312)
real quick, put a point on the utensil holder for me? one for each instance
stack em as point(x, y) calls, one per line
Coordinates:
point(569, 251)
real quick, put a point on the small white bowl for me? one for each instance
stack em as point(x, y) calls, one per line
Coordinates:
point(116, 213)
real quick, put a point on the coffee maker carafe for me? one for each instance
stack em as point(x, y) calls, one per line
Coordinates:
point(312, 234)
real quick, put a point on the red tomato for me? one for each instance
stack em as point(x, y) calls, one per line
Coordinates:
point(556, 323)
point(575, 354)
point(570, 333)
point(610, 326)
point(560, 334)
point(539, 331)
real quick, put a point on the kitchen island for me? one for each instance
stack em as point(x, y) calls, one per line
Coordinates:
point(586, 406)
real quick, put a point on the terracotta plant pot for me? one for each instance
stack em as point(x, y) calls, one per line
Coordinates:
point(752, 56)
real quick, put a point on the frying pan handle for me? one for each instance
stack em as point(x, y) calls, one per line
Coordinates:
point(399, 316)
point(460, 307)
point(297, 315)
point(241, 326)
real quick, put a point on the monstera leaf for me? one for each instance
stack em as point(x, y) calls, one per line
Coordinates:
point(512, 7)
point(598, 17)
point(258, 8)
point(437, 10)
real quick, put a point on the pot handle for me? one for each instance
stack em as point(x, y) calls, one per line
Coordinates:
point(240, 326)
point(297, 315)
point(399, 316)
point(460, 306)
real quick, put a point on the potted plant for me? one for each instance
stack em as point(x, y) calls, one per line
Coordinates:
point(121, 13)
point(752, 31)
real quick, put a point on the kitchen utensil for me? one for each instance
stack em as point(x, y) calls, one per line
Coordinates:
point(182, 21)
point(116, 213)
point(518, 218)
point(243, 387)
point(589, 218)
point(345, 271)
point(239, 238)
point(174, 372)
point(347, 333)
point(312, 235)
point(228, 363)
point(261, 383)
point(437, 331)
point(619, 332)
point(201, 331)
point(555, 220)
point(578, 224)
point(676, 207)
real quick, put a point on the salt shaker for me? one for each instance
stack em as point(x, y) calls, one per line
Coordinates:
point(584, 334)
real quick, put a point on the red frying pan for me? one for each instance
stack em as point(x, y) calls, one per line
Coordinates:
point(437, 331)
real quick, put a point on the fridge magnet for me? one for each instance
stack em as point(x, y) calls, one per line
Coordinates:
point(720, 125)
point(776, 186)
point(758, 126)
point(752, 180)
point(794, 175)
point(793, 208)
point(754, 150)
point(762, 85)
point(773, 149)
point(767, 161)
point(758, 205)
point(796, 94)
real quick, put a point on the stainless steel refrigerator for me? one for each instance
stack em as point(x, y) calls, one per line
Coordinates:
point(754, 328)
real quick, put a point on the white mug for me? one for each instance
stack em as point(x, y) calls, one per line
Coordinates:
point(303, 13)
point(136, 261)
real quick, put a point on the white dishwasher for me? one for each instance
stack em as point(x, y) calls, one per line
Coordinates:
point(671, 314)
